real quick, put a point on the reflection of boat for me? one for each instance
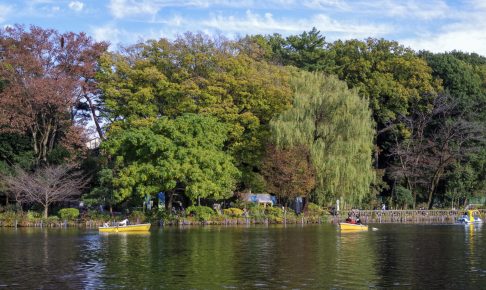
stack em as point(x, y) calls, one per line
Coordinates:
point(127, 228)
point(352, 227)
point(147, 233)
point(471, 217)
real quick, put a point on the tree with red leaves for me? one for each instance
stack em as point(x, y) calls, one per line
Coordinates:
point(48, 86)
point(289, 172)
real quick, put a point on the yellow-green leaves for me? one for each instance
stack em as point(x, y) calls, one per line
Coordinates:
point(335, 124)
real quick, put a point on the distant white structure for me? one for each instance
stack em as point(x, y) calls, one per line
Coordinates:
point(262, 198)
point(93, 143)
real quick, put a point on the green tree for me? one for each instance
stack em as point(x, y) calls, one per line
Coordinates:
point(195, 74)
point(402, 197)
point(336, 125)
point(461, 79)
point(185, 153)
point(464, 77)
point(389, 75)
point(307, 50)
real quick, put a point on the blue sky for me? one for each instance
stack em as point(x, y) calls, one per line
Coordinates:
point(436, 25)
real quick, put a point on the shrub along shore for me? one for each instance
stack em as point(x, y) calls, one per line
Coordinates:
point(202, 215)
point(193, 215)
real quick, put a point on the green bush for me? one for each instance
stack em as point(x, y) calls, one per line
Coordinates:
point(33, 216)
point(314, 210)
point(8, 218)
point(256, 211)
point(52, 220)
point(162, 214)
point(274, 212)
point(69, 214)
point(96, 216)
point(403, 197)
point(233, 212)
point(202, 213)
point(137, 216)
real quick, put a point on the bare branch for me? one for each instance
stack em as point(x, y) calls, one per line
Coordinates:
point(47, 185)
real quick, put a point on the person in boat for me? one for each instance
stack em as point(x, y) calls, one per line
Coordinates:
point(358, 220)
point(351, 218)
point(123, 223)
point(106, 224)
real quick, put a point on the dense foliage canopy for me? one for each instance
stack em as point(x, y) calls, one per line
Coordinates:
point(364, 120)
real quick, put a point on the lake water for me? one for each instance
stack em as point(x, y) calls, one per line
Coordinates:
point(271, 257)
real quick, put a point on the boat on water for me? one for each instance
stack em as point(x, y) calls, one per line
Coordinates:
point(352, 227)
point(125, 228)
point(470, 217)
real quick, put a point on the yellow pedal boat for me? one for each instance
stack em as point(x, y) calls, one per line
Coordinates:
point(352, 227)
point(123, 229)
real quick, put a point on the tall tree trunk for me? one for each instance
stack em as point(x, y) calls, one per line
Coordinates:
point(52, 140)
point(433, 186)
point(46, 210)
point(45, 141)
point(93, 114)
point(169, 200)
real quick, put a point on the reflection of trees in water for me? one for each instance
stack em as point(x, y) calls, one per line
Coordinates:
point(423, 256)
point(450, 257)
point(303, 256)
point(212, 258)
point(356, 262)
point(473, 238)
point(40, 258)
point(125, 257)
point(388, 261)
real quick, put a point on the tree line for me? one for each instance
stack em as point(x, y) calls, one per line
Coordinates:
point(200, 117)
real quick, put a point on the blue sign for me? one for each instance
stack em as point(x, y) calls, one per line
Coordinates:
point(161, 197)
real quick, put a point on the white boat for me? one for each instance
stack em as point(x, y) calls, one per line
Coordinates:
point(471, 217)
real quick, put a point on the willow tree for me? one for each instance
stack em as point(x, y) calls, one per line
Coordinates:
point(336, 125)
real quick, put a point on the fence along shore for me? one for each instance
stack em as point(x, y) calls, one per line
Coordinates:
point(407, 216)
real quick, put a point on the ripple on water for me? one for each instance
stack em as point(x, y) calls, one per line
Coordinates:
point(309, 257)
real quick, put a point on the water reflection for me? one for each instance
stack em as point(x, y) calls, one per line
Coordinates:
point(473, 237)
point(317, 257)
point(357, 259)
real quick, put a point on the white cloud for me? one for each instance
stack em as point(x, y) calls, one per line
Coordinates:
point(107, 33)
point(406, 9)
point(473, 40)
point(76, 5)
point(466, 35)
point(131, 8)
point(124, 8)
point(464, 31)
point(5, 11)
point(325, 4)
point(118, 36)
point(267, 23)
point(435, 25)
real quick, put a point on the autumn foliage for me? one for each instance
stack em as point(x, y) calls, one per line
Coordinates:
point(289, 172)
point(46, 77)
